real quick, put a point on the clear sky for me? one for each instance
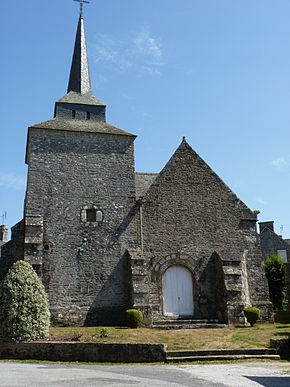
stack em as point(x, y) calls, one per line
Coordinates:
point(215, 71)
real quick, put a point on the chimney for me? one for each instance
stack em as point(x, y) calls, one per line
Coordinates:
point(269, 225)
point(3, 234)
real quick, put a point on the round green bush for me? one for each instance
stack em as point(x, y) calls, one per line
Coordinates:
point(252, 315)
point(24, 311)
point(133, 318)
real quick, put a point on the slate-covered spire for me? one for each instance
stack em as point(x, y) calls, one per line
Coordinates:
point(79, 80)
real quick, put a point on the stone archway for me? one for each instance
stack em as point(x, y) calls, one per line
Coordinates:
point(177, 291)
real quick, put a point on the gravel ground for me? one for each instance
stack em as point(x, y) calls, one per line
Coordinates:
point(269, 374)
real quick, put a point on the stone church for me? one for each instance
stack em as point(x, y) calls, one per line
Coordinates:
point(178, 244)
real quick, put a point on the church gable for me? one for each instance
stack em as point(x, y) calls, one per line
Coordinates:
point(187, 180)
point(192, 222)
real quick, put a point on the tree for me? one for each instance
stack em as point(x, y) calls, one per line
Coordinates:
point(24, 311)
point(275, 273)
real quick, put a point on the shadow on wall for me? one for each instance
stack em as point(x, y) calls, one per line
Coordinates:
point(114, 298)
point(110, 304)
point(210, 292)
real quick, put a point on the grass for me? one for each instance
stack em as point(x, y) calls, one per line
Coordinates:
point(229, 337)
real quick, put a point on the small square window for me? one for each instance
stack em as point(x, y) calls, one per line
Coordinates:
point(92, 215)
point(88, 115)
point(73, 114)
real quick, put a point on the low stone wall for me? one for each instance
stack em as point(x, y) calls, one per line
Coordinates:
point(84, 352)
point(282, 345)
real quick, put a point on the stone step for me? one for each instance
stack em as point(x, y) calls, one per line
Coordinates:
point(220, 357)
point(187, 324)
point(222, 354)
point(207, 352)
point(186, 320)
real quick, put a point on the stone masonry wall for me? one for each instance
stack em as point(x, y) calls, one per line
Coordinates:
point(188, 215)
point(84, 265)
point(271, 242)
point(12, 250)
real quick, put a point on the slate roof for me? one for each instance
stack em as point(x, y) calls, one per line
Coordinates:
point(183, 149)
point(79, 80)
point(81, 126)
point(84, 99)
point(143, 181)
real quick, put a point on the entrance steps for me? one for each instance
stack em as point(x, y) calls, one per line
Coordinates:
point(187, 324)
point(221, 354)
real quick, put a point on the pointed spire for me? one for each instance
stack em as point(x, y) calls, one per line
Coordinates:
point(79, 80)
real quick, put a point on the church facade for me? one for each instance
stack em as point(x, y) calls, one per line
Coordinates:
point(103, 238)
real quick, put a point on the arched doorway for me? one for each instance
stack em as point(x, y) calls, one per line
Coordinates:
point(177, 292)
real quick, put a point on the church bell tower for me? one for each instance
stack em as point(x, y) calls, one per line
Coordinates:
point(79, 200)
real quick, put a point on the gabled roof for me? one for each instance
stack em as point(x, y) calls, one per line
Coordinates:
point(186, 158)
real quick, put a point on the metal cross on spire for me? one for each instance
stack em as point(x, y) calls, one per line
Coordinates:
point(82, 5)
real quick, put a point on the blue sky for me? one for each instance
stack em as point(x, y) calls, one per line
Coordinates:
point(215, 71)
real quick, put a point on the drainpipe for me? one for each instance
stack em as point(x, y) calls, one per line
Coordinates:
point(141, 224)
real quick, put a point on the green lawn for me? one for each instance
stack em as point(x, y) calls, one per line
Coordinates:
point(245, 337)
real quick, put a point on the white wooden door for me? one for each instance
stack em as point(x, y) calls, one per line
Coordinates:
point(177, 292)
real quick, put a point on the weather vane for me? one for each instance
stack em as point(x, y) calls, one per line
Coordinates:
point(82, 5)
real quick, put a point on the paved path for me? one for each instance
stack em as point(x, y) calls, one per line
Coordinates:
point(252, 374)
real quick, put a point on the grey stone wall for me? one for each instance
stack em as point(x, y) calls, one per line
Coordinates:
point(80, 111)
point(12, 250)
point(84, 264)
point(190, 216)
point(271, 242)
point(85, 352)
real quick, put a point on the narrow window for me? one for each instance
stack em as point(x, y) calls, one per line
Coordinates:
point(73, 113)
point(88, 115)
point(91, 215)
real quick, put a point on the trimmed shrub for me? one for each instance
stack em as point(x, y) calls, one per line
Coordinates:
point(24, 311)
point(252, 315)
point(133, 318)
